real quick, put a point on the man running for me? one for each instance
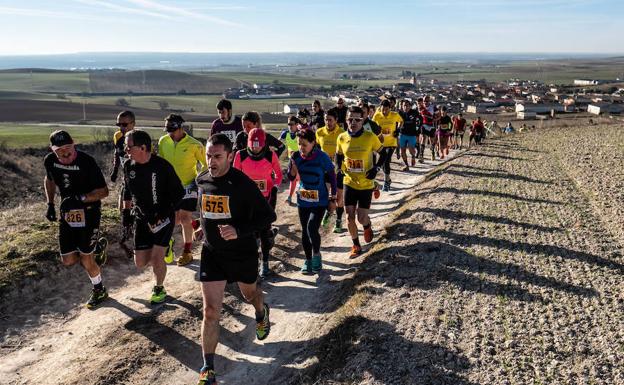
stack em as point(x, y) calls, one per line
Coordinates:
point(341, 110)
point(355, 151)
point(125, 122)
point(262, 165)
point(476, 132)
point(232, 210)
point(154, 192)
point(227, 123)
point(444, 132)
point(459, 128)
point(409, 132)
point(326, 138)
point(390, 123)
point(317, 120)
point(82, 187)
point(185, 154)
point(427, 111)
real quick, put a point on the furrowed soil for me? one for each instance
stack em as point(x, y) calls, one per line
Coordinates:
point(502, 267)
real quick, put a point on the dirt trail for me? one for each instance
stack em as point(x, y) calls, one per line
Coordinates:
point(47, 337)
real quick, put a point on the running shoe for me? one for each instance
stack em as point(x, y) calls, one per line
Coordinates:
point(355, 251)
point(185, 259)
point(100, 254)
point(386, 186)
point(398, 156)
point(289, 200)
point(368, 235)
point(338, 227)
point(413, 161)
point(264, 270)
point(421, 160)
point(158, 295)
point(263, 328)
point(432, 155)
point(405, 168)
point(207, 377)
point(317, 264)
point(169, 252)
point(307, 267)
point(97, 297)
point(325, 221)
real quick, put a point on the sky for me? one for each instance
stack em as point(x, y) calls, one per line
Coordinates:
point(32, 27)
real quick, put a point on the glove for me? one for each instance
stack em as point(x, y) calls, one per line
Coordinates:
point(113, 174)
point(372, 173)
point(127, 219)
point(137, 213)
point(51, 213)
point(396, 133)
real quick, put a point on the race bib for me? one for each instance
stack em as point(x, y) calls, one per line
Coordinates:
point(216, 206)
point(159, 226)
point(262, 185)
point(75, 218)
point(355, 165)
point(231, 134)
point(190, 192)
point(309, 195)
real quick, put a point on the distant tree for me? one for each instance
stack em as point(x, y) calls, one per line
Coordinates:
point(122, 102)
point(163, 105)
point(181, 92)
point(276, 81)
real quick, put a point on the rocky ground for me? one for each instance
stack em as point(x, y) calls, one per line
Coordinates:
point(506, 268)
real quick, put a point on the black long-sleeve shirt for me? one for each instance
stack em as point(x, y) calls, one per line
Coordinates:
point(154, 186)
point(232, 199)
point(271, 142)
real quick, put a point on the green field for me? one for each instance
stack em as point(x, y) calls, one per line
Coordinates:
point(35, 136)
point(74, 82)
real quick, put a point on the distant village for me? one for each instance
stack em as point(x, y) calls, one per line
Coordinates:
point(527, 99)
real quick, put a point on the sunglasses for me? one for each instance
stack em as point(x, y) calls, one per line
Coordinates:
point(126, 147)
point(123, 124)
point(355, 119)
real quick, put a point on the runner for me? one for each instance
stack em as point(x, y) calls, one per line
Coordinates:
point(390, 123)
point(289, 138)
point(82, 187)
point(476, 130)
point(315, 195)
point(153, 191)
point(409, 132)
point(232, 210)
point(444, 132)
point(428, 131)
point(251, 120)
point(262, 165)
point(459, 128)
point(370, 125)
point(341, 109)
point(355, 151)
point(227, 123)
point(185, 154)
point(326, 137)
point(304, 117)
point(125, 122)
point(317, 119)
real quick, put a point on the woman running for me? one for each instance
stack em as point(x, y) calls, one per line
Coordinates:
point(289, 138)
point(261, 165)
point(316, 193)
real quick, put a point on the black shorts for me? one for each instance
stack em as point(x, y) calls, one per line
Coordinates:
point(459, 134)
point(189, 202)
point(145, 239)
point(340, 180)
point(360, 198)
point(80, 239)
point(429, 131)
point(218, 267)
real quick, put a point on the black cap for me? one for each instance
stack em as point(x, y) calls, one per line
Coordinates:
point(60, 138)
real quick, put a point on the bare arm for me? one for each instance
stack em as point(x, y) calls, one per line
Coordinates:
point(96, 195)
point(50, 189)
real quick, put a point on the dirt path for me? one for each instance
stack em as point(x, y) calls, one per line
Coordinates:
point(49, 338)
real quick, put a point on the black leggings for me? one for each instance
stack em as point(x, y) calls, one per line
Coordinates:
point(310, 218)
point(386, 166)
point(267, 237)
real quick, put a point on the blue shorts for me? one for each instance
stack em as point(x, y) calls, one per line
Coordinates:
point(407, 140)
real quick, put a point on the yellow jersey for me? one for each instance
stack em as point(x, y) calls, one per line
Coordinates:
point(388, 124)
point(358, 158)
point(327, 139)
point(183, 156)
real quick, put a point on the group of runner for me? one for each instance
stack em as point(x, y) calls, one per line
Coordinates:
point(232, 183)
